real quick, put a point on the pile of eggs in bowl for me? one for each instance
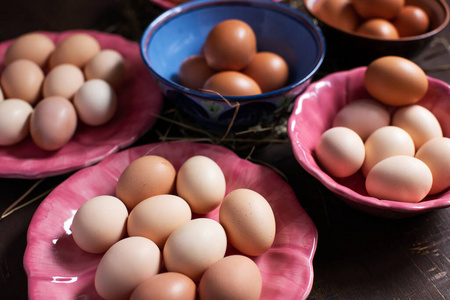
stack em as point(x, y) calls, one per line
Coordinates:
point(385, 19)
point(155, 232)
point(46, 88)
point(397, 144)
point(230, 65)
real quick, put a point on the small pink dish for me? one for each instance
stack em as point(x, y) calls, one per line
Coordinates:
point(139, 100)
point(167, 4)
point(58, 269)
point(314, 112)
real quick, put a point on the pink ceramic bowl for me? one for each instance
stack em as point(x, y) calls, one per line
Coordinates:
point(58, 269)
point(313, 113)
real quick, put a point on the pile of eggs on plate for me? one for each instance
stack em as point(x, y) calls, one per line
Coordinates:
point(397, 144)
point(385, 19)
point(158, 242)
point(47, 88)
point(230, 64)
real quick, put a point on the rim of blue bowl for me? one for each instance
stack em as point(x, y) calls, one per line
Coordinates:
point(191, 5)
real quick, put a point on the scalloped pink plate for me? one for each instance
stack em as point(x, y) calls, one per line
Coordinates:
point(139, 99)
point(58, 269)
point(167, 4)
point(314, 112)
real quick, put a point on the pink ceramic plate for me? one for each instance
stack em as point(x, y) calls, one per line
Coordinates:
point(139, 98)
point(167, 4)
point(313, 113)
point(58, 269)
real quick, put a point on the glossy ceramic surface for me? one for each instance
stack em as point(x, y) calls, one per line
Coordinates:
point(58, 269)
point(139, 99)
point(314, 112)
point(181, 32)
point(350, 50)
point(169, 4)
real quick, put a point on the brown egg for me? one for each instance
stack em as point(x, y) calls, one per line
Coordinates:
point(337, 13)
point(194, 71)
point(77, 49)
point(395, 80)
point(230, 45)
point(232, 83)
point(386, 9)
point(168, 286)
point(233, 277)
point(248, 220)
point(53, 123)
point(269, 70)
point(411, 21)
point(145, 177)
point(108, 65)
point(378, 28)
point(34, 46)
point(64, 80)
point(22, 79)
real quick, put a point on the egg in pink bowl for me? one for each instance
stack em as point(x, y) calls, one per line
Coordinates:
point(313, 114)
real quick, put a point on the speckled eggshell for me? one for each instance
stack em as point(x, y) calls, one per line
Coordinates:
point(248, 220)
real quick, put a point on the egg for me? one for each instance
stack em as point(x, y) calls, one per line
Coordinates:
point(22, 79)
point(395, 80)
point(194, 71)
point(363, 116)
point(145, 177)
point(378, 28)
point(337, 13)
point(436, 155)
point(95, 102)
point(385, 142)
point(269, 70)
point(125, 265)
point(201, 182)
point(53, 123)
point(230, 45)
point(386, 9)
point(76, 49)
point(340, 151)
point(231, 83)
point(399, 178)
point(63, 80)
point(194, 246)
point(248, 220)
point(419, 122)
point(157, 217)
point(33, 46)
point(233, 277)
point(411, 20)
point(168, 286)
point(14, 121)
point(108, 65)
point(99, 223)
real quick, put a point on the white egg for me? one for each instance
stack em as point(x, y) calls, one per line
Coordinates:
point(340, 151)
point(95, 102)
point(14, 121)
point(201, 182)
point(399, 178)
point(125, 265)
point(194, 246)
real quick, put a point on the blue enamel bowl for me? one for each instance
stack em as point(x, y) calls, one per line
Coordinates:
point(181, 31)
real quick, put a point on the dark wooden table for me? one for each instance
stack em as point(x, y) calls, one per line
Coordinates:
point(359, 256)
